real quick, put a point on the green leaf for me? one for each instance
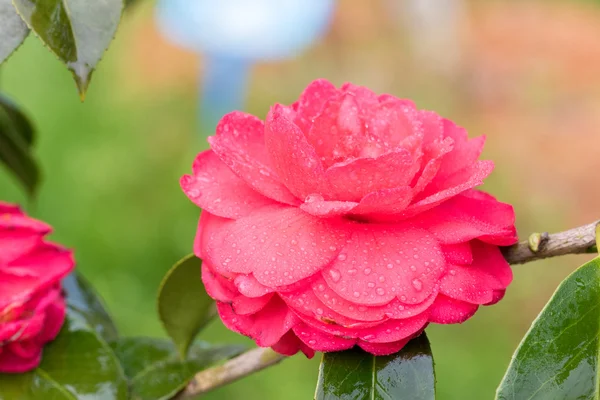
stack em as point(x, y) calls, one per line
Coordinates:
point(78, 364)
point(355, 374)
point(16, 138)
point(12, 29)
point(77, 31)
point(558, 357)
point(83, 300)
point(155, 369)
point(183, 305)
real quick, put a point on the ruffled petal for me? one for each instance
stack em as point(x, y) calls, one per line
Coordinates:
point(279, 245)
point(468, 216)
point(294, 159)
point(289, 345)
point(266, 327)
point(383, 349)
point(381, 263)
point(216, 189)
point(446, 310)
point(462, 181)
point(352, 180)
point(240, 144)
point(321, 341)
point(478, 282)
point(311, 103)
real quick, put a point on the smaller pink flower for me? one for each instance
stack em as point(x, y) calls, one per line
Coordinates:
point(32, 307)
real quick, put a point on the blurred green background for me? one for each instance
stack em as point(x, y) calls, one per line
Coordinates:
point(525, 74)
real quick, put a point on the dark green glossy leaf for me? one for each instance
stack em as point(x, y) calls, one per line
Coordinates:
point(558, 357)
point(83, 299)
point(155, 369)
point(12, 29)
point(78, 364)
point(77, 31)
point(183, 305)
point(355, 374)
point(16, 138)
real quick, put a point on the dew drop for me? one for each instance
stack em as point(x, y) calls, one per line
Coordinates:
point(352, 272)
point(413, 267)
point(367, 271)
point(319, 311)
point(403, 298)
point(417, 284)
point(356, 294)
point(400, 307)
point(452, 272)
point(371, 284)
point(312, 342)
point(381, 278)
point(341, 257)
point(390, 266)
point(380, 291)
point(335, 275)
point(321, 287)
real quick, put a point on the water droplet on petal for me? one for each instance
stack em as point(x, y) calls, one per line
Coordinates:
point(335, 275)
point(380, 291)
point(417, 284)
point(356, 294)
point(341, 257)
point(367, 271)
point(452, 272)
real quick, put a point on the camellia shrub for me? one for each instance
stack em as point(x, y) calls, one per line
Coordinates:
point(345, 223)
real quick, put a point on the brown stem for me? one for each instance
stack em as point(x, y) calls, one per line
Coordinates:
point(245, 364)
point(543, 245)
point(538, 246)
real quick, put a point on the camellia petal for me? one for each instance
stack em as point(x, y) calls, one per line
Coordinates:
point(240, 144)
point(215, 188)
point(303, 173)
point(279, 246)
point(382, 263)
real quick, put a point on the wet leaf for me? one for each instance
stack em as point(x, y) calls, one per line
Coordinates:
point(16, 138)
point(183, 305)
point(77, 31)
point(355, 374)
point(558, 357)
point(12, 29)
point(155, 370)
point(83, 300)
point(78, 364)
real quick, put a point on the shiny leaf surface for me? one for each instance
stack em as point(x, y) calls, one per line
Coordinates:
point(77, 31)
point(183, 305)
point(558, 357)
point(12, 29)
point(155, 370)
point(78, 364)
point(16, 138)
point(83, 300)
point(355, 374)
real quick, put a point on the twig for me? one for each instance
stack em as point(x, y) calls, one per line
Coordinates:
point(245, 364)
point(544, 245)
point(538, 246)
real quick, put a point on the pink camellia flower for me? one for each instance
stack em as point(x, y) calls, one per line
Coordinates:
point(346, 219)
point(32, 308)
